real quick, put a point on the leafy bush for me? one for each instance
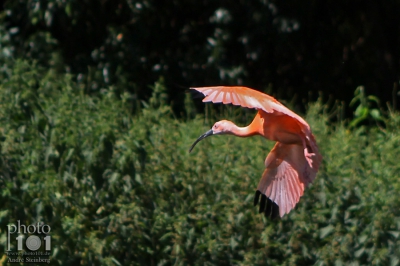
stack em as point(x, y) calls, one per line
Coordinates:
point(118, 189)
point(364, 110)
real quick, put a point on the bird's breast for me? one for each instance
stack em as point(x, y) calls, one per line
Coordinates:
point(280, 128)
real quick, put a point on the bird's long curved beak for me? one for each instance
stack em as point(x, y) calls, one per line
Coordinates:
point(205, 135)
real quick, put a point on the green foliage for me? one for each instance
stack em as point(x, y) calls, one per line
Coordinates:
point(118, 189)
point(365, 110)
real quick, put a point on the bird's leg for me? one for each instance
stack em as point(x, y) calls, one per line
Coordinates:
point(308, 155)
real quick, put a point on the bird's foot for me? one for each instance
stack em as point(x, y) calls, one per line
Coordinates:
point(309, 157)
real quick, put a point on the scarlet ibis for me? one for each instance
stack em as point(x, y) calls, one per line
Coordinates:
point(292, 163)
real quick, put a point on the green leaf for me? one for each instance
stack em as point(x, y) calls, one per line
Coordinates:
point(68, 9)
point(375, 114)
point(373, 98)
point(361, 111)
point(359, 90)
point(3, 214)
point(354, 100)
point(325, 231)
point(396, 234)
point(356, 121)
point(362, 239)
point(359, 252)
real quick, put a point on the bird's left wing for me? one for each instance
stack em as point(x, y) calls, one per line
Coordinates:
point(286, 175)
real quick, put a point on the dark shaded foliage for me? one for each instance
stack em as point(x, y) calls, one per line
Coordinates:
point(294, 47)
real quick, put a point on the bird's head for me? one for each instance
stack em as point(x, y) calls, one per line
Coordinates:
point(219, 128)
point(222, 127)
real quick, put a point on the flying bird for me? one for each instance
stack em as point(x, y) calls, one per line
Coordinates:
point(292, 163)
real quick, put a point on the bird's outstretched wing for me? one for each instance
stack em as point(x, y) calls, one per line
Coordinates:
point(283, 182)
point(246, 97)
point(250, 98)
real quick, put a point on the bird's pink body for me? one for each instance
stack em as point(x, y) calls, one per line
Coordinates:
point(293, 162)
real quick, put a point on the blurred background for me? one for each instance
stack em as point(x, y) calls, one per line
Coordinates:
point(293, 48)
point(96, 120)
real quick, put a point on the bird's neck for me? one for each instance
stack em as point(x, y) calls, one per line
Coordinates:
point(248, 131)
point(255, 128)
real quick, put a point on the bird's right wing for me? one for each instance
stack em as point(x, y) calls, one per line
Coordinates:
point(283, 182)
point(246, 97)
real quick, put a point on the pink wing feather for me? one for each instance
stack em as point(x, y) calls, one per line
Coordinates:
point(286, 175)
point(246, 97)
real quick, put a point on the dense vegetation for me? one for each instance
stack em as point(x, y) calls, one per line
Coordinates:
point(113, 178)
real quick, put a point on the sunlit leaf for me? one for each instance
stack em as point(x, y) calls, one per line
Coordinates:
point(325, 231)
